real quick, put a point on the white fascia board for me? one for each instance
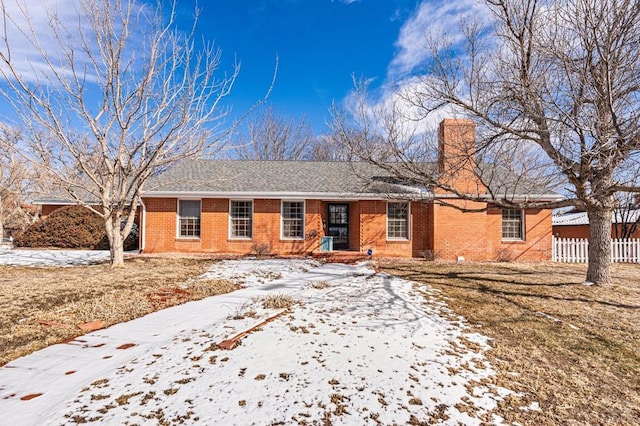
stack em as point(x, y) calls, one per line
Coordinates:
point(514, 198)
point(421, 196)
point(285, 195)
point(54, 203)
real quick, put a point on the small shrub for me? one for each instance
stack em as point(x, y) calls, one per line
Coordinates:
point(71, 227)
point(429, 255)
point(504, 255)
point(277, 301)
point(320, 285)
point(261, 250)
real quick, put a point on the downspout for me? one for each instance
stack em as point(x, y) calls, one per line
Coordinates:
point(143, 225)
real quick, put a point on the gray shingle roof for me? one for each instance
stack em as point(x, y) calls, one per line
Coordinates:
point(299, 179)
point(306, 177)
point(287, 177)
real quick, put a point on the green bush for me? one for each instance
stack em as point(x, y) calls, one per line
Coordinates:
point(73, 227)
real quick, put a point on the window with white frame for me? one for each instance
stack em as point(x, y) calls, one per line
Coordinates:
point(398, 221)
point(189, 218)
point(241, 218)
point(293, 219)
point(512, 224)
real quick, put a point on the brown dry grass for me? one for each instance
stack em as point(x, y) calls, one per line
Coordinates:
point(66, 297)
point(584, 369)
point(277, 301)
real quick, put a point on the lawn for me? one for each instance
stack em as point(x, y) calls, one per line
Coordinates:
point(571, 352)
point(354, 347)
point(44, 305)
point(574, 349)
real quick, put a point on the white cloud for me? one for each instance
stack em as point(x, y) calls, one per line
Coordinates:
point(435, 18)
point(395, 100)
point(29, 30)
point(32, 42)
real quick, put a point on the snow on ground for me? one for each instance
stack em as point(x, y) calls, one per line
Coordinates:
point(28, 257)
point(360, 348)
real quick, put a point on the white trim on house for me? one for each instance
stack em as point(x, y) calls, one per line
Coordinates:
point(143, 226)
point(523, 227)
point(304, 212)
point(253, 206)
point(187, 237)
point(292, 196)
point(408, 238)
point(337, 196)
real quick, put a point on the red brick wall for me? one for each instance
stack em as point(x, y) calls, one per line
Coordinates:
point(537, 243)
point(373, 230)
point(445, 231)
point(161, 233)
point(367, 228)
point(354, 226)
point(465, 234)
point(456, 156)
point(477, 236)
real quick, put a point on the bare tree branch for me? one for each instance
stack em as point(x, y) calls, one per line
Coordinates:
point(554, 89)
point(271, 136)
point(122, 95)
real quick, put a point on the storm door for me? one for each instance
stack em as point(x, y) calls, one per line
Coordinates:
point(338, 226)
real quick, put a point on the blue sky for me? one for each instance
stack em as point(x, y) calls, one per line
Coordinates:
point(320, 45)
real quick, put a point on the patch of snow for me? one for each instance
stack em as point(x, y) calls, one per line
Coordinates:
point(253, 272)
point(549, 317)
point(360, 348)
point(534, 406)
point(554, 319)
point(28, 257)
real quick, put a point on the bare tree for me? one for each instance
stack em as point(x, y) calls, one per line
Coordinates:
point(112, 93)
point(554, 88)
point(627, 215)
point(328, 148)
point(15, 179)
point(271, 136)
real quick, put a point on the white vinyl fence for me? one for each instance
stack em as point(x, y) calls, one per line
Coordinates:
point(575, 250)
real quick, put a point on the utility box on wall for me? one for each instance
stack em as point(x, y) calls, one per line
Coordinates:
point(326, 244)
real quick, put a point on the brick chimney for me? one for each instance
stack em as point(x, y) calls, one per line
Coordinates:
point(456, 155)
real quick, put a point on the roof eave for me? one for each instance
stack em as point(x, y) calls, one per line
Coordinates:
point(516, 198)
point(287, 195)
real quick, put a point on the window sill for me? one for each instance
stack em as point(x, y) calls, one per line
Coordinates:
point(239, 240)
point(190, 239)
point(508, 241)
point(398, 240)
point(283, 239)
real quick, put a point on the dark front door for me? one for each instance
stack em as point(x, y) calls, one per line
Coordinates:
point(338, 226)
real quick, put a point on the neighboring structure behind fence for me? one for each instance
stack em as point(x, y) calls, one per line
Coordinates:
point(575, 250)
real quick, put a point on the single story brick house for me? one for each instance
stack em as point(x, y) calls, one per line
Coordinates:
point(576, 224)
point(287, 207)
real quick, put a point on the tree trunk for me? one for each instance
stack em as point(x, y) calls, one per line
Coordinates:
point(117, 250)
point(116, 243)
point(598, 271)
point(1, 220)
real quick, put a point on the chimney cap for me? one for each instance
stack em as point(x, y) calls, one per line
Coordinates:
point(457, 122)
